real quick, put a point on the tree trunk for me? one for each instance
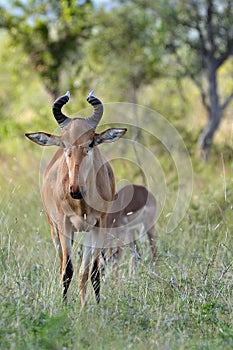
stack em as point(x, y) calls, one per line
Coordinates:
point(215, 113)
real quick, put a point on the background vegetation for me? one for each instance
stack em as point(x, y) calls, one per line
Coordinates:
point(145, 52)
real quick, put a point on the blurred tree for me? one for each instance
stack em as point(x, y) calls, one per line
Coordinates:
point(124, 49)
point(200, 35)
point(51, 33)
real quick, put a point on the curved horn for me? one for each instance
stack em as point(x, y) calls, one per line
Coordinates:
point(61, 118)
point(94, 119)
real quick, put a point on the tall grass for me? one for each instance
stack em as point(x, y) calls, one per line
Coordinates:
point(185, 303)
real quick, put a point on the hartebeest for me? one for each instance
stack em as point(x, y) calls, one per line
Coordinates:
point(78, 187)
point(133, 205)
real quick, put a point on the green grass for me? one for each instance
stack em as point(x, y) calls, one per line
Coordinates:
point(186, 303)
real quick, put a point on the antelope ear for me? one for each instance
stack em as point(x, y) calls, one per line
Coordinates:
point(109, 135)
point(44, 139)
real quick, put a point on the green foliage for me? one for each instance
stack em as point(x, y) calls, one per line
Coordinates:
point(127, 36)
point(50, 33)
point(194, 34)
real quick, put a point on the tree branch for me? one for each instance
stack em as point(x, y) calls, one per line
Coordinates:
point(209, 25)
point(196, 81)
point(190, 42)
point(226, 54)
point(202, 40)
point(227, 101)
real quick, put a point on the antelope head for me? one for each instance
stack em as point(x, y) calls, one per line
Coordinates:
point(78, 140)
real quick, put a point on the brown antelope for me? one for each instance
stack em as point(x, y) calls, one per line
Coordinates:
point(78, 187)
point(133, 205)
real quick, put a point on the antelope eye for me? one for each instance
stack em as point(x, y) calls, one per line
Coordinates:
point(91, 144)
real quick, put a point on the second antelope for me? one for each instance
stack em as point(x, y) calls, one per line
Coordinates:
point(133, 205)
point(78, 187)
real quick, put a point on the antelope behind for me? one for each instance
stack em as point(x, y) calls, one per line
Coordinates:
point(133, 205)
point(78, 187)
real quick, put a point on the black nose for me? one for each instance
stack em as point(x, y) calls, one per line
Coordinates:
point(76, 195)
